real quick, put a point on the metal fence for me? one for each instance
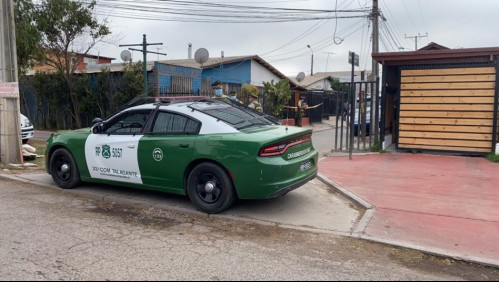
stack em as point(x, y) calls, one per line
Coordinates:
point(357, 125)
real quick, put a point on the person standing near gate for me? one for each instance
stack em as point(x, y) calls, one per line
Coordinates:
point(254, 102)
point(300, 110)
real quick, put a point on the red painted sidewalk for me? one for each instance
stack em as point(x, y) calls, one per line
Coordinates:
point(441, 204)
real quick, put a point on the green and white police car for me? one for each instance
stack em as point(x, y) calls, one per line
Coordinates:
point(214, 151)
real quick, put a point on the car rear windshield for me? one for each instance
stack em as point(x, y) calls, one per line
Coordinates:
point(237, 115)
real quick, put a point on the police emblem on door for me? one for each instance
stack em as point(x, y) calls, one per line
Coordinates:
point(157, 154)
point(106, 151)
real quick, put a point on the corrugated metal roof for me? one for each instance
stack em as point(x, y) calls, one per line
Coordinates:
point(309, 80)
point(191, 63)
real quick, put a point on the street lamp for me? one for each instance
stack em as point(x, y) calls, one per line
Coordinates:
point(312, 63)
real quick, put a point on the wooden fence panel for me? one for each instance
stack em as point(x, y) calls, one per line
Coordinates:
point(447, 109)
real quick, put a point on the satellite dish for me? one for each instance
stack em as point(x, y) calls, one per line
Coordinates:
point(300, 77)
point(201, 56)
point(126, 55)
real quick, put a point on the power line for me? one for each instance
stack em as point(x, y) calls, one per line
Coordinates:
point(199, 11)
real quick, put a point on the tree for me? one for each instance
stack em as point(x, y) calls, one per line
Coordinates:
point(336, 85)
point(27, 35)
point(68, 30)
point(113, 92)
point(130, 87)
point(277, 95)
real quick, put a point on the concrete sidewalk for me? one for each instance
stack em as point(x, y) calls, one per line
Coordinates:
point(313, 207)
point(444, 205)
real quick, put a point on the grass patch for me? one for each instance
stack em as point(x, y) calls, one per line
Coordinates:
point(493, 158)
point(377, 147)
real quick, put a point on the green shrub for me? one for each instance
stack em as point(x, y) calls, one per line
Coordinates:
point(493, 157)
point(376, 147)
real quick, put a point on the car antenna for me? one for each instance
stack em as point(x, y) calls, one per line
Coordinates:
point(287, 118)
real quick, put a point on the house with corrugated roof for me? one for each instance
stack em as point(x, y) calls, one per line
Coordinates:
point(187, 76)
point(322, 80)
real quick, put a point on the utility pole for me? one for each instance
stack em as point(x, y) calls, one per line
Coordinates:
point(375, 66)
point(144, 53)
point(374, 18)
point(10, 129)
point(416, 39)
point(312, 62)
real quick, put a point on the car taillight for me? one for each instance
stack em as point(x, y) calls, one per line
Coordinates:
point(280, 148)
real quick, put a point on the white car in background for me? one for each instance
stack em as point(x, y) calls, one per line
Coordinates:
point(27, 129)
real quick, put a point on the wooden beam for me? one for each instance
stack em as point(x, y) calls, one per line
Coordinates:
point(446, 114)
point(449, 93)
point(439, 72)
point(448, 85)
point(449, 78)
point(445, 142)
point(447, 100)
point(445, 128)
point(447, 121)
point(444, 148)
point(447, 135)
point(447, 107)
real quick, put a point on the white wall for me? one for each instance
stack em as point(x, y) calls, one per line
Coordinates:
point(323, 84)
point(260, 74)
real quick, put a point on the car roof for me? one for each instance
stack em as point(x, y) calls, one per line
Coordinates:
point(215, 115)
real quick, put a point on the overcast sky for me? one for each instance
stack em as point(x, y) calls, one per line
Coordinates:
point(452, 23)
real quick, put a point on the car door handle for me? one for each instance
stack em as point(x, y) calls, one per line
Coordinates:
point(184, 145)
point(131, 146)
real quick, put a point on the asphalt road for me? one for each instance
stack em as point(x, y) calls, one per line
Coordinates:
point(53, 234)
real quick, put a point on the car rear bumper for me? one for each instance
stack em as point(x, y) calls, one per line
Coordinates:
point(274, 176)
point(285, 190)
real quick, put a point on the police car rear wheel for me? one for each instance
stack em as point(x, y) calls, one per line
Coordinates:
point(63, 169)
point(210, 188)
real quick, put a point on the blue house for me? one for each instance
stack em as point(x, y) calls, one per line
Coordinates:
point(188, 76)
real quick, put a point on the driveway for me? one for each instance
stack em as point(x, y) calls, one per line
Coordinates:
point(447, 205)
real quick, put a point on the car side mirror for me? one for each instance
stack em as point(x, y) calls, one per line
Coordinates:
point(96, 121)
point(97, 129)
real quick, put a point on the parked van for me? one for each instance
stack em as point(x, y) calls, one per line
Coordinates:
point(27, 129)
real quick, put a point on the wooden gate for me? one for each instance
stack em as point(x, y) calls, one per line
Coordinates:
point(449, 109)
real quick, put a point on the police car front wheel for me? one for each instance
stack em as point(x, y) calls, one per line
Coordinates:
point(63, 169)
point(210, 188)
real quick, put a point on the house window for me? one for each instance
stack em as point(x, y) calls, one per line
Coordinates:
point(90, 61)
point(181, 84)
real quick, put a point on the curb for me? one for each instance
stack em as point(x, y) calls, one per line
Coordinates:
point(361, 225)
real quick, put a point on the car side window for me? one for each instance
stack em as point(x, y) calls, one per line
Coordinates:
point(131, 122)
point(170, 123)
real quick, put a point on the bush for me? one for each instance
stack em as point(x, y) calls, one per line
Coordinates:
point(376, 147)
point(493, 158)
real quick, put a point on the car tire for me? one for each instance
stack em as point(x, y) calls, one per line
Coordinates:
point(210, 188)
point(25, 141)
point(64, 170)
